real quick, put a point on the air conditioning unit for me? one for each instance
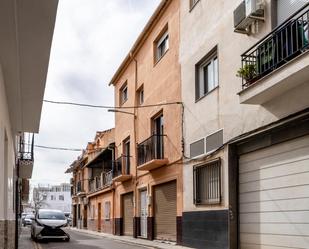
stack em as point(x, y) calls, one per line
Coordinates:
point(254, 8)
point(247, 13)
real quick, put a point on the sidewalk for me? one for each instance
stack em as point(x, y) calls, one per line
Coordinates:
point(25, 241)
point(143, 242)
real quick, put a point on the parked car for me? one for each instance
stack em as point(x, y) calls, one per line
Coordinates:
point(28, 219)
point(49, 224)
point(69, 218)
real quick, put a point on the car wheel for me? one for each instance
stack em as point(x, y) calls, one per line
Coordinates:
point(67, 239)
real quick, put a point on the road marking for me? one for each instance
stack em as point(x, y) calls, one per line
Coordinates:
point(36, 245)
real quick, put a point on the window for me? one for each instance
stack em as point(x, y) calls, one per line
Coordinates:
point(207, 75)
point(126, 156)
point(51, 197)
point(207, 183)
point(61, 197)
point(161, 46)
point(44, 197)
point(140, 94)
point(192, 3)
point(107, 210)
point(123, 93)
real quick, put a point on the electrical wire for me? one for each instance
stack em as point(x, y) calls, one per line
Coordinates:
point(109, 107)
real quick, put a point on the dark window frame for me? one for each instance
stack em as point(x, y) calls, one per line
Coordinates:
point(123, 88)
point(206, 60)
point(163, 36)
point(215, 192)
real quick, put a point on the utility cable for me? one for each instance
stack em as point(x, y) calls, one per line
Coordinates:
point(109, 107)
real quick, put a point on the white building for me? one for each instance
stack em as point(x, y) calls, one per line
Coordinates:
point(246, 183)
point(26, 30)
point(54, 197)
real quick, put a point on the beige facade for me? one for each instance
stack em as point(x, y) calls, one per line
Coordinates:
point(159, 80)
point(239, 111)
point(92, 185)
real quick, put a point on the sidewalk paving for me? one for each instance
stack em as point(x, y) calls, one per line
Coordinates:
point(25, 241)
point(143, 242)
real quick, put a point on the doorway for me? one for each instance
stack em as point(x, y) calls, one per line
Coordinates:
point(99, 217)
point(143, 213)
point(85, 216)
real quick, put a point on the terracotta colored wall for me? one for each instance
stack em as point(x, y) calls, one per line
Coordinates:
point(161, 82)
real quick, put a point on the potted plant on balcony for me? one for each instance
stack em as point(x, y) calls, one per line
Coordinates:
point(247, 72)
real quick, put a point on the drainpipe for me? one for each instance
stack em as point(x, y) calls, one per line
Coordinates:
point(135, 111)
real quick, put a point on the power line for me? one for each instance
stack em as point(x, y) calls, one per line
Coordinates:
point(109, 107)
point(56, 148)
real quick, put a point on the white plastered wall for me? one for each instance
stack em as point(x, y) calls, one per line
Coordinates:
point(6, 182)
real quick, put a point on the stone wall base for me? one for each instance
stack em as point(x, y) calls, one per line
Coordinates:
point(7, 234)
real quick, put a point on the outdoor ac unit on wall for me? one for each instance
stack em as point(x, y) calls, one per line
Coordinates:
point(248, 12)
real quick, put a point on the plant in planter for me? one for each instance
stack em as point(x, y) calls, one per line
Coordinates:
point(247, 72)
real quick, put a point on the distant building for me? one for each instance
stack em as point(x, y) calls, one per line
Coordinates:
point(53, 197)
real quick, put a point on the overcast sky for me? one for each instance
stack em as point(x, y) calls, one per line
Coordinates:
point(91, 39)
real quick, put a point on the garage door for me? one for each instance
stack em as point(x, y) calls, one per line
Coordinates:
point(165, 211)
point(127, 201)
point(274, 196)
point(286, 8)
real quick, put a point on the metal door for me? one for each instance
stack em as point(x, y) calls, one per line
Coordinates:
point(143, 213)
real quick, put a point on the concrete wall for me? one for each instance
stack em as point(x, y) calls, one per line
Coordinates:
point(210, 24)
point(7, 167)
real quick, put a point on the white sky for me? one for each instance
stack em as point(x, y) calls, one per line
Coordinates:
point(91, 39)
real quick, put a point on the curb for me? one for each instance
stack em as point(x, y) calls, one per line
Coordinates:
point(135, 242)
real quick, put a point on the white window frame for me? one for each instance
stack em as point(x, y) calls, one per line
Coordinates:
point(124, 94)
point(162, 41)
point(211, 64)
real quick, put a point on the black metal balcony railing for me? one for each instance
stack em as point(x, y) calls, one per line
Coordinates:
point(152, 148)
point(25, 147)
point(121, 166)
point(284, 43)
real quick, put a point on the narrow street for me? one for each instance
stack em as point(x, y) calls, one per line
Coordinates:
point(78, 241)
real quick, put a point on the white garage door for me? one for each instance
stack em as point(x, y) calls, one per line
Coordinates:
point(274, 197)
point(286, 8)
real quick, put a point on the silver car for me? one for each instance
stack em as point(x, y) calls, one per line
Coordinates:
point(49, 224)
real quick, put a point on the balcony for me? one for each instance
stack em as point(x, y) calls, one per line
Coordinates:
point(25, 155)
point(105, 179)
point(151, 153)
point(277, 63)
point(121, 170)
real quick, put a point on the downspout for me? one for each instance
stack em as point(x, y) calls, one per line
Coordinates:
point(112, 149)
point(135, 111)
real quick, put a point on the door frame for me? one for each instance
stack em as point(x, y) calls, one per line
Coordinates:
point(140, 212)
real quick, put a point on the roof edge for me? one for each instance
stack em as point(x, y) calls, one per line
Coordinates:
point(154, 17)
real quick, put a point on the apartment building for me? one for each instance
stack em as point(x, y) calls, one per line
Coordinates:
point(53, 197)
point(246, 178)
point(26, 31)
point(93, 193)
point(148, 132)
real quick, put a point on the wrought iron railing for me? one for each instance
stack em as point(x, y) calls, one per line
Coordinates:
point(284, 43)
point(151, 148)
point(121, 166)
point(25, 147)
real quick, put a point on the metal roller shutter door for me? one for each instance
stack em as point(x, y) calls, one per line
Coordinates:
point(127, 201)
point(286, 8)
point(165, 211)
point(274, 196)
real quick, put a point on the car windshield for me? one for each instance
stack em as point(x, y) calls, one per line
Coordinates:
point(51, 215)
point(29, 216)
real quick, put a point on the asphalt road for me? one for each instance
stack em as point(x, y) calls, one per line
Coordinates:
point(84, 241)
